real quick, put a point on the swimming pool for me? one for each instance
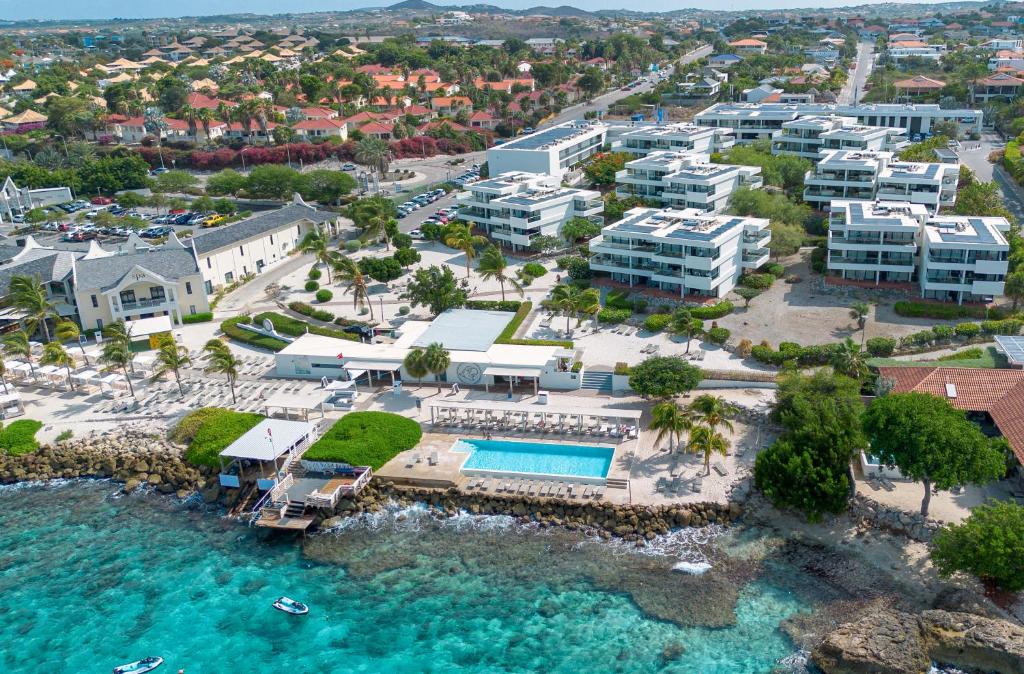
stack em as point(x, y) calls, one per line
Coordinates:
point(585, 462)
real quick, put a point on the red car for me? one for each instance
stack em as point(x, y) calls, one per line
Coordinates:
point(102, 201)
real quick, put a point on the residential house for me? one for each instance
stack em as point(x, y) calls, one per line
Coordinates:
point(724, 61)
point(26, 120)
point(321, 128)
point(918, 86)
point(748, 46)
point(1000, 86)
point(449, 106)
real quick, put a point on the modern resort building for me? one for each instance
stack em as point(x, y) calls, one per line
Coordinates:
point(681, 137)
point(855, 174)
point(557, 151)
point(517, 207)
point(685, 253)
point(807, 137)
point(685, 180)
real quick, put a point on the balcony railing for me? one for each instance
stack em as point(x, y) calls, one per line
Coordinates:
point(143, 304)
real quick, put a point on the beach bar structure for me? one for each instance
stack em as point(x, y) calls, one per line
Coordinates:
point(265, 451)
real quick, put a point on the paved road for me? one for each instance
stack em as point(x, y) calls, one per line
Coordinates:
point(865, 62)
point(974, 155)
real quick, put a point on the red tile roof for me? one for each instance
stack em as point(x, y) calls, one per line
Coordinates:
point(919, 82)
point(998, 392)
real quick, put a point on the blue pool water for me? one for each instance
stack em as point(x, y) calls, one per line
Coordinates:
point(536, 457)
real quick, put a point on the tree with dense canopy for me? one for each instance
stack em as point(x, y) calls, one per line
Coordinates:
point(988, 544)
point(931, 442)
point(437, 289)
point(664, 377)
point(602, 167)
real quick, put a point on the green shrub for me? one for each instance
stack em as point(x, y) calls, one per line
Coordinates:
point(401, 241)
point(819, 259)
point(943, 332)
point(366, 439)
point(406, 257)
point(208, 431)
point(231, 329)
point(324, 295)
point(577, 366)
point(715, 311)
point(967, 330)
point(293, 327)
point(973, 353)
point(201, 317)
point(19, 437)
point(939, 311)
point(882, 347)
point(622, 369)
point(618, 299)
point(657, 322)
point(718, 335)
point(773, 268)
point(614, 315)
point(353, 246)
point(403, 310)
point(311, 311)
point(1007, 326)
point(534, 269)
point(757, 281)
point(312, 285)
point(315, 274)
point(921, 338)
point(494, 305)
point(65, 435)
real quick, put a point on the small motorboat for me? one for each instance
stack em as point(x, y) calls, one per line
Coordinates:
point(140, 666)
point(291, 606)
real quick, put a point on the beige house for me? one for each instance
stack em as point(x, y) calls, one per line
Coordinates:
point(229, 253)
point(141, 282)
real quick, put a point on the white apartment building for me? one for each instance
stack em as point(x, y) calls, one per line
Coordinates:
point(951, 258)
point(517, 207)
point(684, 180)
point(898, 54)
point(807, 136)
point(676, 137)
point(849, 174)
point(753, 121)
point(557, 150)
point(685, 252)
point(964, 258)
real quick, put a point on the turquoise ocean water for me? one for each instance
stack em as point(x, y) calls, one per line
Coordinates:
point(90, 580)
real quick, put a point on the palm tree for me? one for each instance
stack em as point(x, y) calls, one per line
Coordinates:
point(683, 323)
point(461, 238)
point(3, 376)
point(712, 411)
point(68, 331)
point(28, 295)
point(574, 301)
point(190, 116)
point(54, 353)
point(377, 228)
point(492, 267)
point(859, 312)
point(222, 361)
point(373, 152)
point(704, 440)
point(848, 360)
point(205, 117)
point(670, 421)
point(588, 302)
point(18, 345)
point(171, 357)
point(316, 243)
point(436, 360)
point(117, 355)
point(120, 334)
point(352, 276)
point(416, 366)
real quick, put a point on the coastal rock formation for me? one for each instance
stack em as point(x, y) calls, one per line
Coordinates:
point(130, 455)
point(886, 641)
point(909, 524)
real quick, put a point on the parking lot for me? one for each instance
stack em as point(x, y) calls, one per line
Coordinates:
point(434, 205)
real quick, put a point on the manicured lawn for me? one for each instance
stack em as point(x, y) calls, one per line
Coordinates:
point(208, 431)
point(990, 359)
point(19, 437)
point(366, 439)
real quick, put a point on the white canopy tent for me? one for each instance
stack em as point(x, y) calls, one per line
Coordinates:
point(144, 327)
point(301, 402)
point(11, 405)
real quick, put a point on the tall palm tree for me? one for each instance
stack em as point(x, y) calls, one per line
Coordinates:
point(116, 355)
point(28, 295)
point(205, 117)
point(316, 243)
point(848, 360)
point(683, 323)
point(68, 331)
point(377, 228)
point(712, 411)
point(670, 421)
point(171, 357)
point(17, 344)
point(575, 301)
point(222, 361)
point(415, 365)
point(373, 152)
point(461, 238)
point(436, 360)
point(706, 441)
point(190, 116)
point(492, 267)
point(355, 282)
point(120, 334)
point(54, 353)
point(859, 312)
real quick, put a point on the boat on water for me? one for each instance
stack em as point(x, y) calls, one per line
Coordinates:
point(140, 666)
point(291, 606)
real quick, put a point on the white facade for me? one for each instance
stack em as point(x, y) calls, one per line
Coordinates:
point(899, 54)
point(753, 121)
point(874, 241)
point(676, 137)
point(807, 136)
point(517, 207)
point(964, 258)
point(557, 150)
point(681, 252)
point(684, 180)
point(849, 174)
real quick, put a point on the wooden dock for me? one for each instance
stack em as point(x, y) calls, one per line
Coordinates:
point(285, 523)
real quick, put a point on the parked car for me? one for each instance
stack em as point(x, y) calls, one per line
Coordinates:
point(158, 171)
point(348, 166)
point(102, 201)
point(213, 220)
point(182, 219)
point(416, 234)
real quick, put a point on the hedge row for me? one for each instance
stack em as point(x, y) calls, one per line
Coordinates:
point(521, 313)
point(804, 356)
point(231, 329)
point(201, 317)
point(948, 312)
point(613, 316)
point(494, 305)
point(708, 313)
point(311, 311)
point(295, 328)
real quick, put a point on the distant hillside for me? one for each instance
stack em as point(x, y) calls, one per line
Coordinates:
point(424, 6)
point(417, 5)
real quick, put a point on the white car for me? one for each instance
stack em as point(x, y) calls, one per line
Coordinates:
point(416, 234)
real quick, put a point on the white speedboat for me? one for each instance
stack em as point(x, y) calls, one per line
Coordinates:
point(291, 606)
point(140, 666)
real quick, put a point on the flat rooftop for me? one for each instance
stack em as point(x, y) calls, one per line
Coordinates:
point(552, 137)
point(465, 329)
point(674, 224)
point(967, 231)
point(882, 214)
point(670, 130)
